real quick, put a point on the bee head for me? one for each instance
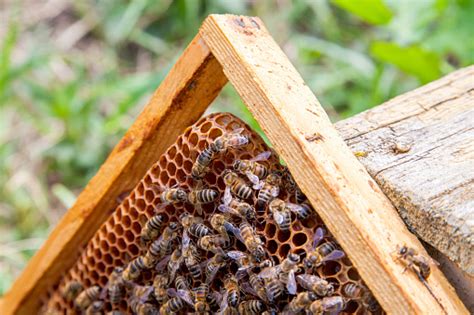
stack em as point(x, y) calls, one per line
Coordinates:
point(295, 258)
point(181, 195)
point(237, 165)
point(403, 250)
point(173, 225)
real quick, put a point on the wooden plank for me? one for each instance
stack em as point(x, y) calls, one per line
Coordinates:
point(181, 99)
point(349, 201)
point(431, 184)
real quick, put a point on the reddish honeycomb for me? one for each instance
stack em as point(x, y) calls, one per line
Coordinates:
point(117, 241)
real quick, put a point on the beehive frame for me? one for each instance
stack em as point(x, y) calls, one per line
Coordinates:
point(240, 49)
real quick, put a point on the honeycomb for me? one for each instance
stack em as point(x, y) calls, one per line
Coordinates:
point(117, 242)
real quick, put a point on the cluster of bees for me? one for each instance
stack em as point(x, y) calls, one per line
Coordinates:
point(250, 281)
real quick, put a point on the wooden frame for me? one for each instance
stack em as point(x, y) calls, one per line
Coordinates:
point(352, 205)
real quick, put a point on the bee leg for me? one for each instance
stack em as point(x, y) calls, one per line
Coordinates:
point(198, 208)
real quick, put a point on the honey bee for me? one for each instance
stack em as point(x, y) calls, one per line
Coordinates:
point(212, 243)
point(251, 307)
point(236, 185)
point(191, 259)
point(95, 308)
point(201, 165)
point(252, 169)
point(238, 208)
point(181, 283)
point(142, 293)
point(139, 308)
point(72, 290)
point(231, 285)
point(172, 263)
point(292, 188)
point(87, 297)
point(200, 296)
point(354, 291)
point(270, 188)
point(221, 225)
point(115, 312)
point(273, 288)
point(152, 228)
point(280, 213)
point(300, 302)
point(134, 269)
point(255, 287)
point(285, 272)
point(162, 246)
point(331, 304)
point(198, 197)
point(160, 286)
point(193, 225)
point(411, 258)
point(230, 140)
point(246, 234)
point(213, 265)
point(315, 284)
point(317, 255)
point(173, 195)
point(172, 306)
point(115, 286)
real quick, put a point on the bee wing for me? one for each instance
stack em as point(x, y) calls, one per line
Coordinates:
point(186, 240)
point(235, 230)
point(268, 272)
point(291, 284)
point(223, 305)
point(238, 131)
point(275, 191)
point(161, 265)
point(247, 288)
point(235, 254)
point(304, 280)
point(262, 156)
point(278, 217)
point(227, 196)
point(334, 255)
point(253, 179)
point(241, 272)
point(104, 291)
point(318, 236)
point(295, 208)
point(186, 296)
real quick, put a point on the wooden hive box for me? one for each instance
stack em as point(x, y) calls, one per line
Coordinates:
point(347, 199)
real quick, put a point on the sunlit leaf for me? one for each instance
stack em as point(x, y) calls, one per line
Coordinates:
point(370, 11)
point(415, 60)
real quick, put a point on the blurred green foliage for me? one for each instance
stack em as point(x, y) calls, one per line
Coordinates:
point(73, 75)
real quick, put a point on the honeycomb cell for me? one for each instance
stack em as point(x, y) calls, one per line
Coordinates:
point(117, 241)
point(299, 239)
point(331, 268)
point(353, 274)
point(283, 236)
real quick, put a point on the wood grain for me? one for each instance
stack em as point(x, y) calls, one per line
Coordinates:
point(432, 184)
point(349, 201)
point(192, 84)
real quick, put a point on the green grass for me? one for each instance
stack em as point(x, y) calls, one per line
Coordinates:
point(74, 77)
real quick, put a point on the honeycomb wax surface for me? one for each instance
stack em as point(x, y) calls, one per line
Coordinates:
point(117, 241)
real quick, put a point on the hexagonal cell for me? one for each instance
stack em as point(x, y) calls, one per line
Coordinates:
point(117, 242)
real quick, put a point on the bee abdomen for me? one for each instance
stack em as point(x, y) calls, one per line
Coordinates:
point(175, 304)
point(251, 307)
point(242, 191)
point(198, 230)
point(181, 283)
point(195, 270)
point(264, 196)
point(327, 248)
point(115, 294)
point(206, 196)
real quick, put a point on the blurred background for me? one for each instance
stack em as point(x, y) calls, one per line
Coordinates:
point(75, 74)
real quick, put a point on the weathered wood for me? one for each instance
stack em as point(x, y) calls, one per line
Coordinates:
point(349, 201)
point(432, 184)
point(181, 99)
